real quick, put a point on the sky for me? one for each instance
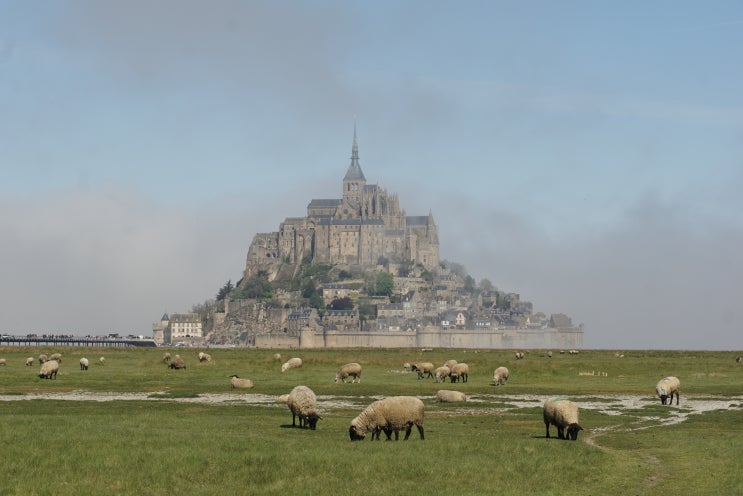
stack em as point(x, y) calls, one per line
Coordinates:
point(586, 155)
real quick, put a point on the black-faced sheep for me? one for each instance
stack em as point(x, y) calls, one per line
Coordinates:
point(666, 388)
point(236, 382)
point(303, 404)
point(389, 415)
point(563, 414)
point(49, 370)
point(500, 376)
point(352, 369)
point(30, 361)
point(292, 363)
point(83, 364)
point(423, 369)
point(460, 371)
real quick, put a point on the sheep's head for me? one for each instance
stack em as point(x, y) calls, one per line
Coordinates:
point(573, 430)
point(355, 434)
point(311, 420)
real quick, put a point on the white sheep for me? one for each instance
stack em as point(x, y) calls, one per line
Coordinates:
point(519, 355)
point(83, 363)
point(423, 368)
point(389, 415)
point(500, 376)
point(352, 369)
point(49, 369)
point(406, 366)
point(57, 357)
point(236, 382)
point(549, 354)
point(303, 404)
point(30, 361)
point(204, 357)
point(277, 357)
point(292, 363)
point(441, 374)
point(448, 396)
point(450, 363)
point(43, 358)
point(177, 363)
point(460, 371)
point(563, 414)
point(666, 388)
point(102, 360)
point(166, 357)
point(3, 361)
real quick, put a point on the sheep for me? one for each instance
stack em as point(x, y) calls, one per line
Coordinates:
point(666, 388)
point(738, 359)
point(204, 357)
point(57, 357)
point(406, 366)
point(43, 358)
point(450, 363)
point(352, 369)
point(390, 414)
point(519, 355)
point(236, 382)
point(102, 361)
point(447, 396)
point(549, 354)
point(423, 368)
point(177, 363)
point(30, 361)
point(563, 414)
point(500, 376)
point(442, 373)
point(3, 361)
point(303, 404)
point(292, 363)
point(49, 370)
point(166, 357)
point(460, 370)
point(277, 357)
point(83, 363)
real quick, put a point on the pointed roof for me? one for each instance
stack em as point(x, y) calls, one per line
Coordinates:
point(354, 170)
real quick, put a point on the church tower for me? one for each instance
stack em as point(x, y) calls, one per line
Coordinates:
point(354, 182)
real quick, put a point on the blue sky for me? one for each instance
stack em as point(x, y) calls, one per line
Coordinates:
point(587, 155)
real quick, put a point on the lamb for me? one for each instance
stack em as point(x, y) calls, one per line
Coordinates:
point(30, 361)
point(423, 368)
point(390, 414)
point(303, 404)
point(57, 357)
point(177, 363)
point(666, 388)
point(441, 374)
point(292, 363)
point(49, 370)
point(352, 369)
point(204, 357)
point(236, 382)
point(83, 363)
point(460, 370)
point(447, 396)
point(500, 376)
point(563, 414)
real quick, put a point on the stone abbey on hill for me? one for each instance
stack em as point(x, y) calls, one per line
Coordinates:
point(363, 227)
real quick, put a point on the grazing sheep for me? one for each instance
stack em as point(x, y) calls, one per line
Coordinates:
point(30, 361)
point(666, 388)
point(166, 357)
point(447, 396)
point(236, 382)
point(3, 361)
point(549, 354)
point(57, 357)
point(738, 359)
point(389, 415)
point(563, 414)
point(441, 374)
point(450, 363)
point(204, 357)
point(303, 404)
point(43, 358)
point(352, 369)
point(292, 363)
point(277, 357)
point(83, 363)
point(177, 363)
point(423, 368)
point(102, 360)
point(406, 366)
point(519, 355)
point(460, 371)
point(573, 352)
point(500, 376)
point(49, 369)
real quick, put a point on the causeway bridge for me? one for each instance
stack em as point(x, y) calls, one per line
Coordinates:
point(82, 341)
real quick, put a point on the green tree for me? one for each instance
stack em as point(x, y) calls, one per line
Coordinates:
point(385, 284)
point(344, 303)
point(225, 290)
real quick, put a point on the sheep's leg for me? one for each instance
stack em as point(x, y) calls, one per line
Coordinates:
point(420, 431)
point(407, 432)
point(560, 432)
point(547, 425)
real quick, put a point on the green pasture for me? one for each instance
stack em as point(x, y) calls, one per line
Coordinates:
point(163, 445)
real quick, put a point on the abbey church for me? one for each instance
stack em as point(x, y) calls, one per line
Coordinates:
point(363, 227)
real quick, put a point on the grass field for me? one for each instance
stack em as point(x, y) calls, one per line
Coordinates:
point(187, 433)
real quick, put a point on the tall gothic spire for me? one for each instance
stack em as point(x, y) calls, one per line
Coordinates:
point(354, 170)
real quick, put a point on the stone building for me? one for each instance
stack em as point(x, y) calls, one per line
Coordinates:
point(361, 228)
point(178, 327)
